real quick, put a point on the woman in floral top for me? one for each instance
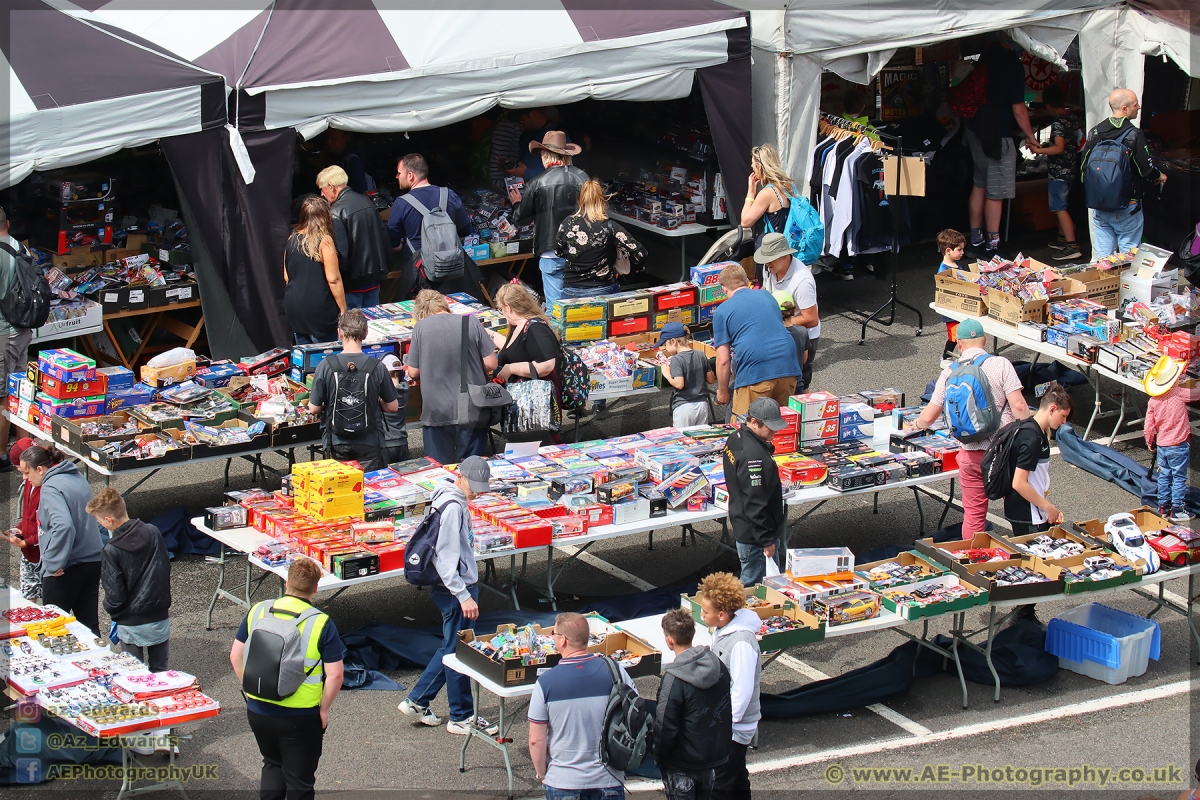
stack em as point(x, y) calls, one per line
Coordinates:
point(590, 243)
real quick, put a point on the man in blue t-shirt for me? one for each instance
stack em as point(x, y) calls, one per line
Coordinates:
point(290, 732)
point(404, 221)
point(747, 326)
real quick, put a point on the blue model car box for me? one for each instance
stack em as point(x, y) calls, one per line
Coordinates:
point(66, 365)
point(855, 414)
point(708, 274)
point(119, 378)
point(218, 374)
point(135, 395)
point(70, 409)
point(307, 356)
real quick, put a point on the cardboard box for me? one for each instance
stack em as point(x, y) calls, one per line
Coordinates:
point(136, 395)
point(904, 176)
point(956, 291)
point(1075, 563)
point(819, 562)
point(940, 551)
point(628, 304)
point(61, 390)
point(1097, 285)
point(581, 331)
point(1012, 310)
point(929, 569)
point(1147, 521)
point(120, 463)
point(65, 365)
point(72, 408)
point(204, 450)
point(69, 432)
point(1144, 286)
point(159, 377)
point(645, 375)
point(979, 597)
point(970, 574)
point(712, 295)
point(815, 406)
point(810, 629)
point(626, 326)
point(649, 660)
point(507, 672)
point(1090, 545)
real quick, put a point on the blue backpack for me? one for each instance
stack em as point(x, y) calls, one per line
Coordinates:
point(969, 410)
point(1108, 174)
point(420, 564)
point(804, 231)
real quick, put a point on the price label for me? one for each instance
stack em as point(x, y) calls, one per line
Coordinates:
point(513, 248)
point(164, 255)
point(111, 297)
point(137, 295)
point(185, 293)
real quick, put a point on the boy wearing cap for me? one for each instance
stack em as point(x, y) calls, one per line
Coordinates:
point(395, 437)
point(755, 492)
point(457, 598)
point(782, 271)
point(688, 373)
point(1169, 428)
point(792, 321)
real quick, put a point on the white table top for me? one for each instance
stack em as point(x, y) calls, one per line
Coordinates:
point(1162, 576)
point(1007, 333)
point(38, 433)
point(450, 661)
point(622, 393)
point(683, 230)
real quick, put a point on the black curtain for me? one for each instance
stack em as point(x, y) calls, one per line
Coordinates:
point(726, 92)
point(241, 230)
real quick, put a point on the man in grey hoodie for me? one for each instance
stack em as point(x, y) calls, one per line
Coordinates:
point(735, 641)
point(457, 598)
point(70, 538)
point(694, 715)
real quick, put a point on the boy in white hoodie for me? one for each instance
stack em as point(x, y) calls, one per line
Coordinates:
point(735, 641)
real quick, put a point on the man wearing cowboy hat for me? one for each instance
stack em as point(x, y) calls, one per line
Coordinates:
point(550, 198)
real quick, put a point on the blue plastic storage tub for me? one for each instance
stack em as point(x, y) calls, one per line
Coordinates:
point(1102, 642)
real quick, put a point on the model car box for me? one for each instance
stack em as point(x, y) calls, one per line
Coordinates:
point(675, 295)
point(583, 309)
point(159, 377)
point(70, 432)
point(712, 295)
point(116, 463)
point(814, 406)
point(136, 395)
point(928, 569)
point(1054, 584)
point(631, 509)
point(61, 390)
point(958, 290)
point(688, 315)
point(854, 413)
point(941, 551)
point(820, 430)
point(658, 501)
point(820, 562)
point(1090, 545)
point(1013, 310)
point(359, 564)
point(912, 610)
point(624, 326)
point(643, 659)
point(508, 671)
point(1073, 564)
point(854, 433)
point(784, 442)
point(72, 408)
point(66, 365)
point(173, 293)
point(846, 608)
point(803, 627)
point(681, 485)
point(883, 400)
point(117, 378)
point(707, 274)
point(798, 470)
point(218, 374)
point(627, 304)
point(580, 331)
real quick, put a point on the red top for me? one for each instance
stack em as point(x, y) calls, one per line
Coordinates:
point(31, 497)
point(1167, 421)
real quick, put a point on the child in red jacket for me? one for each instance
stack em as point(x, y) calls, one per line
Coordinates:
point(1167, 426)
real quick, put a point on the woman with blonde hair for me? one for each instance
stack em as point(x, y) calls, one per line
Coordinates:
point(429, 302)
point(762, 207)
point(315, 295)
point(593, 245)
point(531, 348)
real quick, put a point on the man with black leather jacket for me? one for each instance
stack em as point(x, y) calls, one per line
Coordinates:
point(363, 248)
point(694, 716)
point(135, 572)
point(756, 511)
point(550, 198)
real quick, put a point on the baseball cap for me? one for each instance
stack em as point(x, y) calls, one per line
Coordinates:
point(969, 329)
point(672, 330)
point(19, 447)
point(774, 245)
point(477, 472)
point(766, 411)
point(392, 363)
point(783, 297)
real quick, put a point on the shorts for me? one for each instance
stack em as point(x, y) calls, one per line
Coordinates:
point(14, 353)
point(1058, 190)
point(999, 178)
point(779, 390)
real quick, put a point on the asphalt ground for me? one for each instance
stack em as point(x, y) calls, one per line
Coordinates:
point(1066, 723)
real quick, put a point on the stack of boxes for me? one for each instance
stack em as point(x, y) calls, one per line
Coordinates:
point(818, 417)
point(822, 581)
point(706, 278)
point(328, 490)
point(67, 385)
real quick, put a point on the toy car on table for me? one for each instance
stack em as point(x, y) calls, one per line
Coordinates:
point(1177, 545)
point(1127, 538)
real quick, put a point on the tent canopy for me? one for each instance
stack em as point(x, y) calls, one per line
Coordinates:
point(78, 91)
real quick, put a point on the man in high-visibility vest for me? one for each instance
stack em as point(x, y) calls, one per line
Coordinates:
point(290, 731)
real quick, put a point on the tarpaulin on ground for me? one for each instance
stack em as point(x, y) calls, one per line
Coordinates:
point(640, 604)
point(180, 535)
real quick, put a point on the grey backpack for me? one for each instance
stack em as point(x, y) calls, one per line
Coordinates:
point(273, 659)
point(442, 254)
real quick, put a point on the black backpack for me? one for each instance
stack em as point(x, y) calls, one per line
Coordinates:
point(420, 567)
point(1108, 178)
point(354, 402)
point(628, 725)
point(997, 466)
point(25, 302)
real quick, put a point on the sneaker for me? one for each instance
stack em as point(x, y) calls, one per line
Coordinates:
point(423, 715)
point(870, 268)
point(6, 465)
point(1069, 253)
point(845, 272)
point(1058, 244)
point(1180, 515)
point(463, 727)
point(1164, 511)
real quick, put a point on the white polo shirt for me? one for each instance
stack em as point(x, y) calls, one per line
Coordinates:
point(798, 281)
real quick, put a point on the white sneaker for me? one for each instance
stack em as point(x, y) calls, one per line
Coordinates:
point(463, 727)
point(1180, 516)
point(423, 715)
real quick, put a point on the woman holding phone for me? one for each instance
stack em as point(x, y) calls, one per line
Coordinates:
point(25, 535)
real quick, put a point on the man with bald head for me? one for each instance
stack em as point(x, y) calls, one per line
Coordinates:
point(1119, 229)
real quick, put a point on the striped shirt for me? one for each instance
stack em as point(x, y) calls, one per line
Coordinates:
point(1003, 379)
point(506, 140)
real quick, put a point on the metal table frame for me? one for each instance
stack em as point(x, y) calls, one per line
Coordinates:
point(681, 233)
point(501, 740)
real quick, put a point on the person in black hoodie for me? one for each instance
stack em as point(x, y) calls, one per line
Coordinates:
point(694, 718)
point(755, 493)
point(136, 574)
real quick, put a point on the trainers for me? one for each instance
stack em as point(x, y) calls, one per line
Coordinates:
point(1058, 244)
point(6, 465)
point(1069, 253)
point(423, 715)
point(1164, 511)
point(1180, 515)
point(844, 272)
point(462, 727)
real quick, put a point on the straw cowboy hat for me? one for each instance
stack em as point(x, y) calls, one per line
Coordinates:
point(556, 142)
point(1162, 376)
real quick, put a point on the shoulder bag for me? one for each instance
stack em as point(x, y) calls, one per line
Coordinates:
point(479, 406)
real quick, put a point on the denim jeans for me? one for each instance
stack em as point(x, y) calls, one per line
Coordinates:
point(1117, 231)
point(362, 299)
point(552, 277)
point(613, 793)
point(450, 444)
point(754, 563)
point(436, 675)
point(570, 292)
point(1172, 474)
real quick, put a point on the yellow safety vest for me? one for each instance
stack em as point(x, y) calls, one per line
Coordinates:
point(309, 693)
